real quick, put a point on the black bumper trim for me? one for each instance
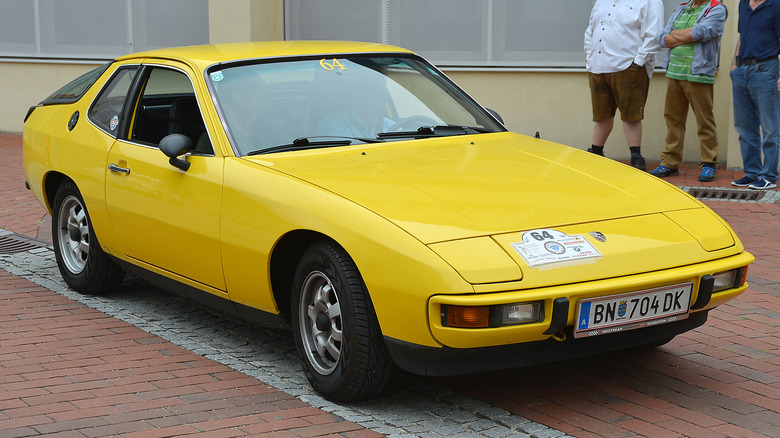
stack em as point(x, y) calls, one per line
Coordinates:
point(431, 361)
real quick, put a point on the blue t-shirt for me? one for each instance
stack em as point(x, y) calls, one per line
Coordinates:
point(759, 30)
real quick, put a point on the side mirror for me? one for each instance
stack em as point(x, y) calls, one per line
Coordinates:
point(174, 145)
point(496, 115)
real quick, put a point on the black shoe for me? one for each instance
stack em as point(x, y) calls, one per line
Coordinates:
point(600, 153)
point(638, 162)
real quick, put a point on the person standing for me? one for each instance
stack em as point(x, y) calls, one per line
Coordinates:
point(621, 42)
point(693, 35)
point(755, 85)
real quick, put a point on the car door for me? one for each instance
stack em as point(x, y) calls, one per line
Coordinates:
point(166, 220)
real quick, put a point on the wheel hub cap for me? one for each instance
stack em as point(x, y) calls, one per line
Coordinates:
point(73, 234)
point(320, 323)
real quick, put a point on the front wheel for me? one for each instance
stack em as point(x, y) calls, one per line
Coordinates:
point(336, 331)
point(83, 264)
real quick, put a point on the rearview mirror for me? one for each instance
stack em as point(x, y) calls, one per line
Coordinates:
point(174, 145)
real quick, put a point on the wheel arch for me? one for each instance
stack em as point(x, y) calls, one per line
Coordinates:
point(283, 262)
point(51, 182)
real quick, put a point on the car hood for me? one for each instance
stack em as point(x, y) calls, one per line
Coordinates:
point(444, 189)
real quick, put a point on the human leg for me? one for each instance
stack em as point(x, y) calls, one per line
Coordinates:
point(633, 132)
point(631, 87)
point(601, 131)
point(762, 80)
point(701, 97)
point(676, 115)
point(604, 108)
point(748, 126)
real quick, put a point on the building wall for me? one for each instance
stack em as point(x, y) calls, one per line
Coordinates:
point(554, 103)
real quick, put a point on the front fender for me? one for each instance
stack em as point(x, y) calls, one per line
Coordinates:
point(262, 204)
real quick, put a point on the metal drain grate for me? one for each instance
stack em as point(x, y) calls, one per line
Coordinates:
point(726, 194)
point(13, 243)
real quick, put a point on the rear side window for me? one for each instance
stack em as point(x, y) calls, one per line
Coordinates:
point(106, 111)
point(76, 88)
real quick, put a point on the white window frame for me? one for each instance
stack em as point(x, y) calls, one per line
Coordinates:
point(387, 20)
point(46, 47)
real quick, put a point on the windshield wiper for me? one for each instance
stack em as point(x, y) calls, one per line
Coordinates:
point(301, 143)
point(436, 131)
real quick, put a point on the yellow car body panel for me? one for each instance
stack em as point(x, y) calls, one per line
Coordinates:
point(445, 189)
point(396, 266)
point(165, 217)
point(80, 154)
point(429, 221)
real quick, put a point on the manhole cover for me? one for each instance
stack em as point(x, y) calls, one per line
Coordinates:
point(13, 243)
point(726, 194)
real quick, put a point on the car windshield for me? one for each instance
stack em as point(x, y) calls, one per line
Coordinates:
point(327, 102)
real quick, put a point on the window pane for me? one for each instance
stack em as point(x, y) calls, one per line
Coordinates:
point(86, 28)
point(106, 112)
point(17, 26)
point(167, 105)
point(76, 88)
point(532, 33)
point(352, 20)
point(169, 23)
point(525, 33)
point(440, 29)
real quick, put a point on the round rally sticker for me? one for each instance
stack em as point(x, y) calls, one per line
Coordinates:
point(113, 123)
point(217, 76)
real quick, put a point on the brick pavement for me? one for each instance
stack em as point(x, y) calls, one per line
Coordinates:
point(20, 212)
point(719, 380)
point(69, 370)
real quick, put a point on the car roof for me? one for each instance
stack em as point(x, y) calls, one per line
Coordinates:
point(206, 55)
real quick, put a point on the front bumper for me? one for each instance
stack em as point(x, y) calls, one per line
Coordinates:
point(431, 361)
point(560, 303)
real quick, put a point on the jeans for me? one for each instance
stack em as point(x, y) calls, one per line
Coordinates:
point(757, 111)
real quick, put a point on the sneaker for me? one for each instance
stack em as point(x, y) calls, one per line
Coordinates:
point(662, 171)
point(743, 182)
point(599, 153)
point(638, 161)
point(707, 173)
point(762, 184)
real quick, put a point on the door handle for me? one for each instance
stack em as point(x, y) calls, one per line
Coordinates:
point(114, 168)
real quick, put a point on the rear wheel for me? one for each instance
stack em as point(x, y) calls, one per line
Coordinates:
point(83, 264)
point(337, 334)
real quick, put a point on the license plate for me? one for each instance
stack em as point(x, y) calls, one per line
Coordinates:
point(615, 313)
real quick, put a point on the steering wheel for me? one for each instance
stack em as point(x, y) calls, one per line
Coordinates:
point(412, 123)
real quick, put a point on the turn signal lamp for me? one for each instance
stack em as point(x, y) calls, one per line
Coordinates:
point(492, 316)
point(468, 316)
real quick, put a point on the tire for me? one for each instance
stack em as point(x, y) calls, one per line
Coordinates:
point(336, 332)
point(82, 263)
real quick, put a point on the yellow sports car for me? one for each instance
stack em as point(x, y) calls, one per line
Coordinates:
point(352, 192)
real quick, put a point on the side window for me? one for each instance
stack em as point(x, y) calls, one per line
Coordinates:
point(167, 105)
point(106, 111)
